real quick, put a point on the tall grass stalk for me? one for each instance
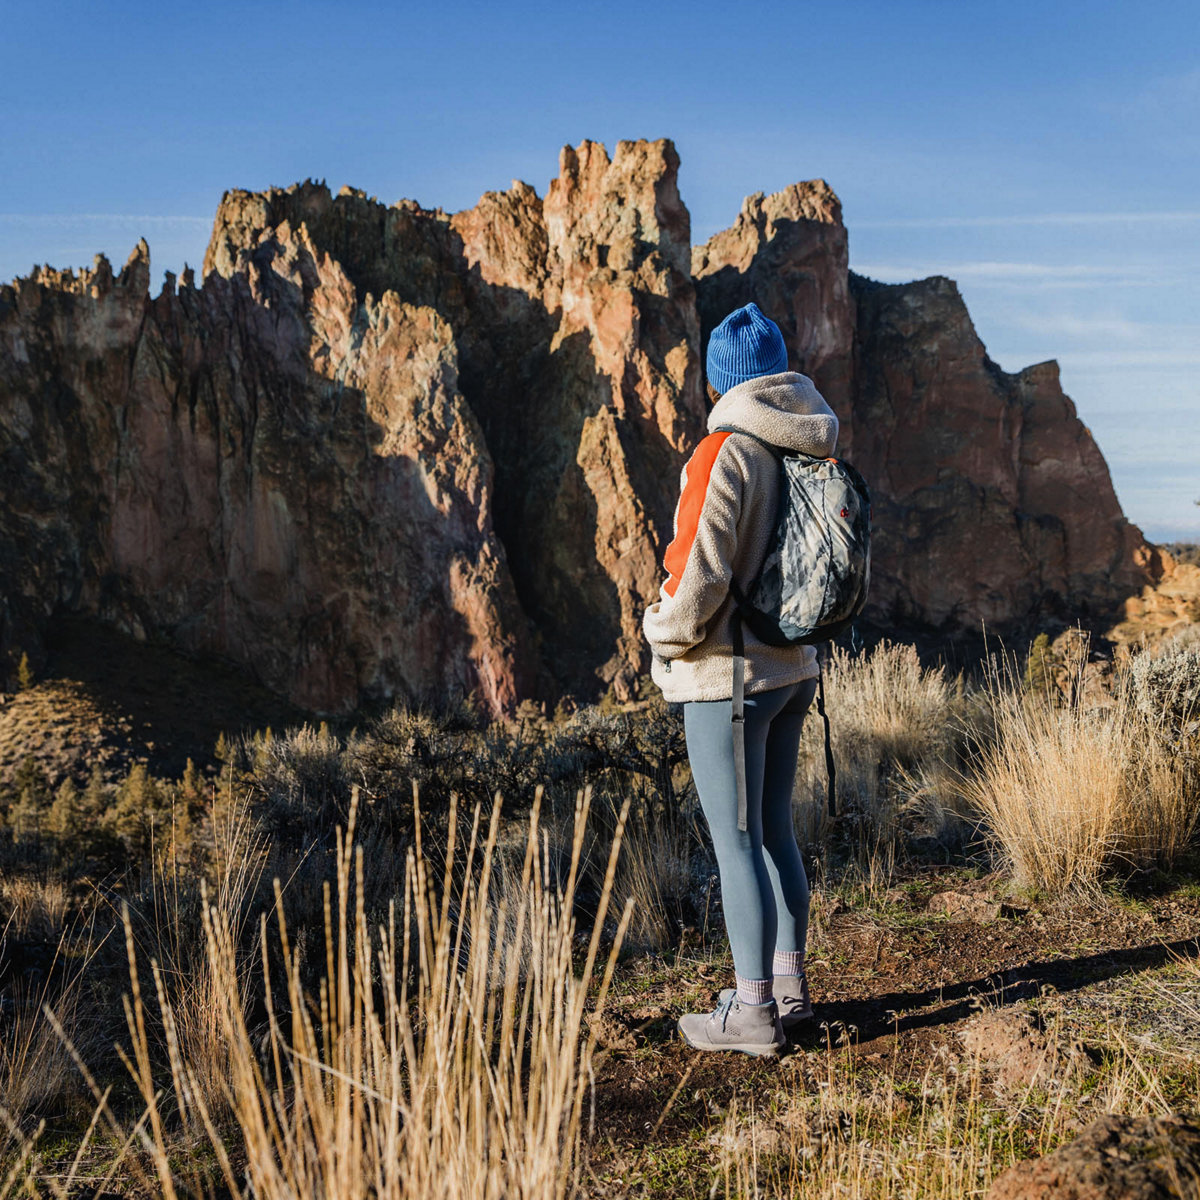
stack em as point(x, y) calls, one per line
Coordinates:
point(654, 875)
point(444, 1052)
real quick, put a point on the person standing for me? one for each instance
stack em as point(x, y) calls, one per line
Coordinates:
point(729, 497)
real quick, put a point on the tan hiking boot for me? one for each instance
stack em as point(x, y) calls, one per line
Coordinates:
point(732, 1025)
point(791, 996)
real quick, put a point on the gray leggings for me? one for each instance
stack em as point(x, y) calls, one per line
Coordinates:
point(764, 889)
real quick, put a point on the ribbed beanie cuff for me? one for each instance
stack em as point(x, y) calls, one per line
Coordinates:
point(746, 344)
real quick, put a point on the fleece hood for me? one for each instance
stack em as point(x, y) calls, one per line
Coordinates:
point(785, 410)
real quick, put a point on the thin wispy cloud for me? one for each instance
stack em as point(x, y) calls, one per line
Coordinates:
point(111, 218)
point(1022, 275)
point(1128, 359)
point(1022, 219)
point(1024, 270)
point(1109, 329)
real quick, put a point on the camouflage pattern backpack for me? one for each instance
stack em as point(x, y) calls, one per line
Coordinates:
point(813, 581)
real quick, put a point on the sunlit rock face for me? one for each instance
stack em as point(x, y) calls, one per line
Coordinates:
point(386, 452)
point(265, 469)
point(789, 254)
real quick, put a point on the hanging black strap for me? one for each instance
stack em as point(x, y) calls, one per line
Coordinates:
point(830, 771)
point(738, 716)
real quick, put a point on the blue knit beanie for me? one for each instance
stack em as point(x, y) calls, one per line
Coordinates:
point(744, 345)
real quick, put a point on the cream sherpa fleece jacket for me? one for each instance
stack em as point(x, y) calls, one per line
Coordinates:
point(729, 495)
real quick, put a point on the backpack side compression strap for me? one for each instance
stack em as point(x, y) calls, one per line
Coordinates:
point(830, 772)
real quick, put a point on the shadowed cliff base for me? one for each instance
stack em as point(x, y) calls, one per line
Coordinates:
point(385, 452)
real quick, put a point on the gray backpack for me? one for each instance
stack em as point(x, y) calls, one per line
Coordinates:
point(813, 581)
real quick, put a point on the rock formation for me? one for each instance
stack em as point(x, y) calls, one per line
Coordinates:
point(1114, 1158)
point(994, 502)
point(1168, 605)
point(789, 254)
point(384, 451)
point(381, 452)
point(262, 469)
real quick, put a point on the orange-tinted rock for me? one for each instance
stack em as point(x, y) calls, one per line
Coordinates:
point(381, 451)
point(1114, 1158)
point(264, 469)
point(1166, 605)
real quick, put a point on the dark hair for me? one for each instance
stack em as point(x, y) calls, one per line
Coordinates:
point(713, 394)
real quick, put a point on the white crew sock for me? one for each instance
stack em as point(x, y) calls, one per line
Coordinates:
point(754, 991)
point(788, 962)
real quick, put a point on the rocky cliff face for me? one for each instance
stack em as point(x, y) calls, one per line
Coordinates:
point(236, 469)
point(789, 254)
point(384, 451)
point(993, 502)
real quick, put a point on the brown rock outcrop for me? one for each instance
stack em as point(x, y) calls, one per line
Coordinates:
point(993, 502)
point(1019, 1050)
point(589, 420)
point(384, 451)
point(1167, 605)
point(261, 469)
point(1115, 1158)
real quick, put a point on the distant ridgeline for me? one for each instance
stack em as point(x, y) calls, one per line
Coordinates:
point(386, 451)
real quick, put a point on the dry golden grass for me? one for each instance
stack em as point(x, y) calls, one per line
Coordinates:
point(887, 714)
point(168, 935)
point(653, 872)
point(35, 1067)
point(1070, 791)
point(38, 907)
point(433, 1060)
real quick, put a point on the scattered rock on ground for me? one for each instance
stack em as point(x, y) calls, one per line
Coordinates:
point(1020, 1052)
point(964, 906)
point(612, 1033)
point(1115, 1158)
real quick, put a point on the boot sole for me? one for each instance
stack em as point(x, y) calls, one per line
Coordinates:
point(770, 1050)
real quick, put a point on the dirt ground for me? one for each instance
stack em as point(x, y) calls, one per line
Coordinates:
point(901, 984)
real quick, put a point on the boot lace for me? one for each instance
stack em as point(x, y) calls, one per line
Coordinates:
point(722, 1009)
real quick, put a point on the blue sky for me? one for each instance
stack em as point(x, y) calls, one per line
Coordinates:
point(1046, 156)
